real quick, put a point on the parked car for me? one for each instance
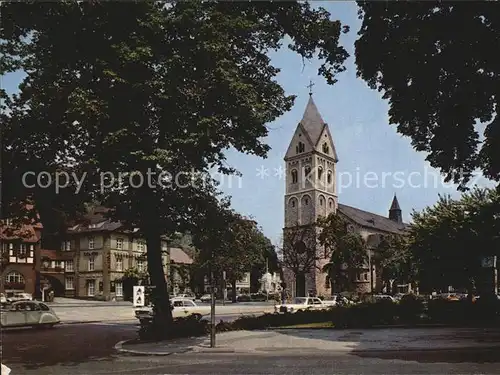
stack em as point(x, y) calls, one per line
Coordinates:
point(28, 314)
point(206, 298)
point(19, 297)
point(383, 297)
point(181, 307)
point(243, 298)
point(302, 304)
point(337, 300)
point(186, 296)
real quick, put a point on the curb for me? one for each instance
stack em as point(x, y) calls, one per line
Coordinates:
point(119, 348)
point(402, 350)
point(73, 322)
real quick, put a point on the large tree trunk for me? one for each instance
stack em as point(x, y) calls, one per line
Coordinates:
point(233, 291)
point(162, 311)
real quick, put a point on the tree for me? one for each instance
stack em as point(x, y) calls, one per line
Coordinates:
point(414, 53)
point(449, 239)
point(299, 254)
point(347, 250)
point(150, 90)
point(394, 259)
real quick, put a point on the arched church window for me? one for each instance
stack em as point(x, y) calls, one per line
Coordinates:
point(293, 202)
point(321, 201)
point(326, 149)
point(320, 172)
point(307, 171)
point(329, 176)
point(330, 203)
point(295, 176)
point(301, 147)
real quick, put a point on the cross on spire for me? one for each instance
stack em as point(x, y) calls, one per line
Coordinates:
point(310, 86)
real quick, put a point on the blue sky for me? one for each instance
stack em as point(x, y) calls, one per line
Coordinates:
point(364, 140)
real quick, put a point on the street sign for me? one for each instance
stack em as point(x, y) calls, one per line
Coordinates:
point(5, 370)
point(488, 262)
point(139, 296)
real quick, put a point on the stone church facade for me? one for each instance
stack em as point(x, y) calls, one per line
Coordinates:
point(311, 192)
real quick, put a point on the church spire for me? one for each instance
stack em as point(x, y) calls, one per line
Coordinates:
point(395, 211)
point(312, 121)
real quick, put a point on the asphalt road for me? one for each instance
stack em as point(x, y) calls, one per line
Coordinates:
point(88, 349)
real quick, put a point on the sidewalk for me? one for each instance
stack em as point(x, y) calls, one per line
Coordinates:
point(73, 302)
point(354, 341)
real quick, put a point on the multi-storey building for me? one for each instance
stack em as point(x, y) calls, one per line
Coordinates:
point(25, 266)
point(97, 253)
point(311, 192)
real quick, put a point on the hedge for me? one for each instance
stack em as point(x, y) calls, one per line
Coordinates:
point(410, 311)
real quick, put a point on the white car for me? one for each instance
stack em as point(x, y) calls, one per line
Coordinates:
point(20, 297)
point(182, 307)
point(28, 314)
point(302, 304)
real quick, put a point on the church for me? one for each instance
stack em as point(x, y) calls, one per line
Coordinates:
point(311, 192)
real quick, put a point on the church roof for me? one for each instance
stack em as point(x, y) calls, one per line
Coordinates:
point(312, 122)
point(395, 204)
point(371, 220)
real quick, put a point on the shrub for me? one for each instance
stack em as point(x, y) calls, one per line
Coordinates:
point(410, 309)
point(364, 315)
point(189, 326)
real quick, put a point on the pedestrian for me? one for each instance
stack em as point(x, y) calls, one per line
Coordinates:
point(283, 296)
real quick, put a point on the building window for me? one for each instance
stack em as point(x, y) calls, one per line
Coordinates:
point(90, 288)
point(69, 266)
point(320, 172)
point(292, 202)
point(91, 263)
point(140, 265)
point(140, 246)
point(301, 147)
point(307, 171)
point(22, 250)
point(329, 177)
point(14, 277)
point(119, 289)
point(91, 243)
point(70, 282)
point(321, 201)
point(119, 263)
point(327, 282)
point(295, 176)
point(119, 243)
point(5, 248)
point(66, 246)
point(326, 149)
point(8, 222)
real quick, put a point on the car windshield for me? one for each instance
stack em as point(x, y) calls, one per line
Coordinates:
point(299, 300)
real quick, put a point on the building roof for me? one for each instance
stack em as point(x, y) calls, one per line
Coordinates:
point(370, 220)
point(25, 233)
point(179, 256)
point(50, 254)
point(312, 122)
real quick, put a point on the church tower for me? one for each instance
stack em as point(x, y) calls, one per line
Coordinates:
point(311, 189)
point(395, 213)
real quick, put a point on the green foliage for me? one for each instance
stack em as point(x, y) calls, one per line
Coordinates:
point(144, 88)
point(394, 259)
point(347, 250)
point(414, 53)
point(448, 239)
